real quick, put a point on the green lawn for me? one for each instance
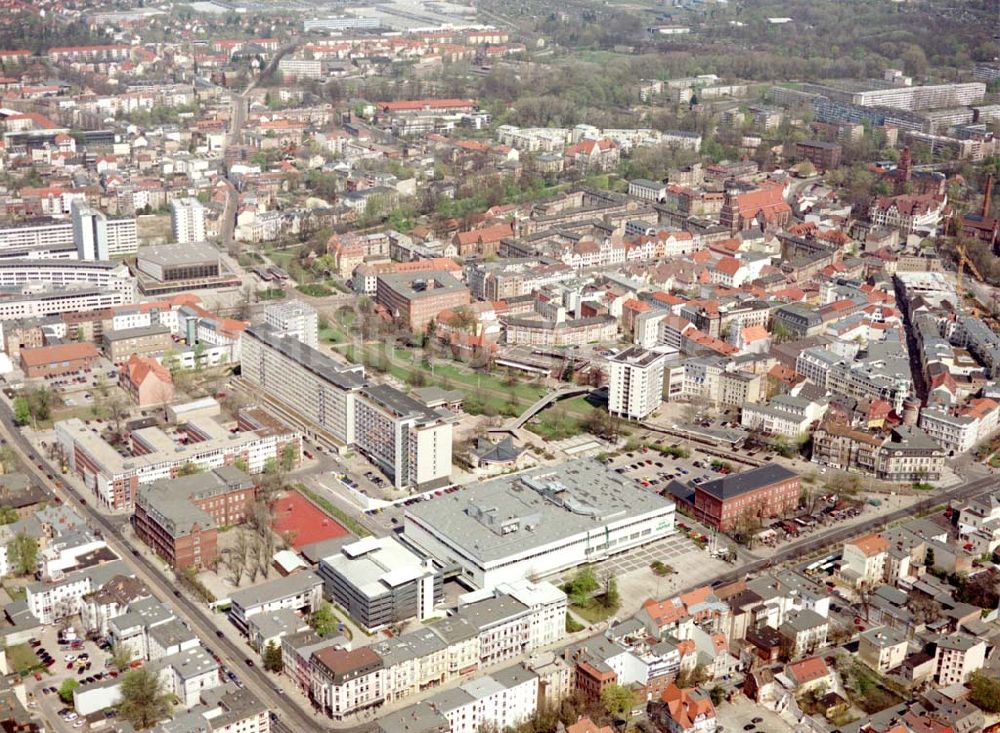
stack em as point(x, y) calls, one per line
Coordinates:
point(332, 334)
point(314, 290)
point(281, 258)
point(492, 389)
point(551, 424)
point(21, 659)
point(594, 613)
point(578, 406)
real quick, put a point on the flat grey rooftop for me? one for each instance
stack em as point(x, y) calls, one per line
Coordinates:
point(309, 358)
point(513, 514)
point(169, 255)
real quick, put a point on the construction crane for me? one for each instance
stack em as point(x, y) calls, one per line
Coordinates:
point(963, 262)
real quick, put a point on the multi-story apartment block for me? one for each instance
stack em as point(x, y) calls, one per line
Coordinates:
point(907, 454)
point(292, 69)
point(410, 442)
point(90, 232)
point(783, 415)
point(821, 154)
point(302, 385)
point(483, 631)
point(635, 382)
point(347, 682)
point(69, 274)
point(954, 433)
point(295, 319)
point(42, 238)
point(646, 190)
point(882, 648)
point(187, 220)
point(865, 560)
point(956, 657)
point(535, 330)
point(50, 601)
point(921, 97)
point(884, 375)
point(502, 701)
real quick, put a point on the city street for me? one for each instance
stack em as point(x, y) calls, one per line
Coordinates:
point(188, 610)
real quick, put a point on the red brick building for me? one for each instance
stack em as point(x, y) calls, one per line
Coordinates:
point(763, 208)
point(592, 671)
point(52, 361)
point(179, 518)
point(823, 155)
point(760, 493)
point(414, 300)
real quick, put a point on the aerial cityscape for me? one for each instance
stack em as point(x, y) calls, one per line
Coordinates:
point(423, 366)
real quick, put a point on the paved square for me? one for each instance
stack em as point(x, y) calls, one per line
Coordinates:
point(637, 582)
point(742, 711)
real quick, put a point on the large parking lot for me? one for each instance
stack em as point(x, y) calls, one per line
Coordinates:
point(655, 470)
point(63, 658)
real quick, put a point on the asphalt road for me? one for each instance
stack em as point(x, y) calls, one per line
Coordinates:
point(838, 535)
point(237, 119)
point(291, 714)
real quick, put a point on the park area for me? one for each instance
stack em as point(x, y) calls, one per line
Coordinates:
point(487, 392)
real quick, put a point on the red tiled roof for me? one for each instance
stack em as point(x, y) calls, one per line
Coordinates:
point(769, 200)
point(487, 235)
point(908, 205)
point(728, 266)
point(808, 670)
point(686, 706)
point(588, 147)
point(871, 545)
point(57, 352)
point(418, 104)
point(137, 368)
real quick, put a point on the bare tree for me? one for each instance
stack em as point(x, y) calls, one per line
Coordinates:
point(117, 410)
point(238, 557)
point(252, 554)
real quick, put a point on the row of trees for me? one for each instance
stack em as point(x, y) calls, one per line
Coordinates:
point(256, 542)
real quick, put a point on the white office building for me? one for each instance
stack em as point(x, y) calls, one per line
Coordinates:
point(538, 523)
point(635, 382)
point(40, 238)
point(67, 274)
point(380, 582)
point(410, 442)
point(296, 319)
point(123, 238)
point(304, 386)
point(187, 220)
point(90, 232)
